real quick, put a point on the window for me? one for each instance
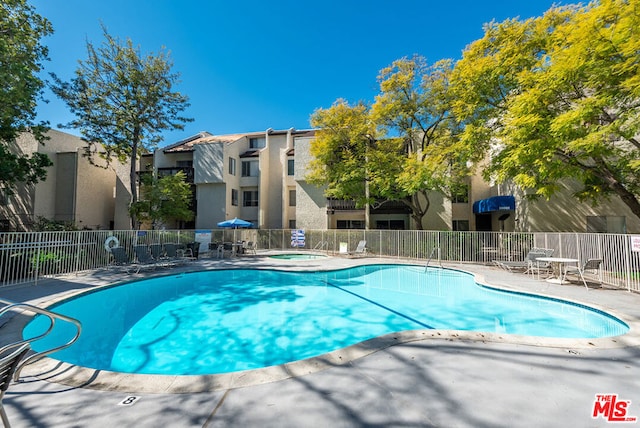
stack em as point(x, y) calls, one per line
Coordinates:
point(292, 224)
point(460, 225)
point(292, 198)
point(232, 166)
point(390, 224)
point(234, 197)
point(350, 224)
point(184, 164)
point(290, 167)
point(461, 195)
point(257, 142)
point(250, 168)
point(250, 198)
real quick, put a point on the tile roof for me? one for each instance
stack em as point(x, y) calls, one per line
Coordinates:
point(187, 144)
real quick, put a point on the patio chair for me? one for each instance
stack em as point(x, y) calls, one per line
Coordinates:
point(590, 265)
point(250, 247)
point(193, 250)
point(361, 249)
point(8, 365)
point(225, 248)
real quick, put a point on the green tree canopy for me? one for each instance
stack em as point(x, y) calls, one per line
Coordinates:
point(163, 199)
point(403, 146)
point(558, 97)
point(21, 56)
point(340, 150)
point(123, 101)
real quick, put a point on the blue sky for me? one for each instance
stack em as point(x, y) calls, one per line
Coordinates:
point(251, 65)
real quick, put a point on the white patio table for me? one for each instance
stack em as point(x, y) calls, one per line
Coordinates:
point(559, 268)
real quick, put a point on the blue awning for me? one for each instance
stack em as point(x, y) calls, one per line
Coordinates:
point(497, 203)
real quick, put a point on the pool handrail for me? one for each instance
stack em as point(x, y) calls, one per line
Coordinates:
point(53, 316)
point(321, 245)
point(431, 257)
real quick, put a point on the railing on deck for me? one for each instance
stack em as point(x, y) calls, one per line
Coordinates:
point(26, 257)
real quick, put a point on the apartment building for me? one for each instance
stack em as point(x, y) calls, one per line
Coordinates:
point(74, 190)
point(261, 177)
point(249, 176)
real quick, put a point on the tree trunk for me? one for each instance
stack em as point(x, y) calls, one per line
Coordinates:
point(628, 198)
point(133, 176)
point(417, 210)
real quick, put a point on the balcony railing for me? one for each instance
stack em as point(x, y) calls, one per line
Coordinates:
point(188, 171)
point(388, 207)
point(341, 205)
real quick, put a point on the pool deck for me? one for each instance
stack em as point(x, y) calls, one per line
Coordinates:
point(426, 378)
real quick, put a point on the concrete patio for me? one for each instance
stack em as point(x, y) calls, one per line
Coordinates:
point(423, 378)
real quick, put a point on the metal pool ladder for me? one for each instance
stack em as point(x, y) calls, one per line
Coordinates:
point(431, 257)
point(53, 317)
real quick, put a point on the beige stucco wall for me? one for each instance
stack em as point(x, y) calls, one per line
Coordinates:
point(122, 220)
point(95, 185)
point(563, 213)
point(271, 184)
point(211, 209)
point(311, 203)
point(208, 162)
point(439, 214)
point(74, 190)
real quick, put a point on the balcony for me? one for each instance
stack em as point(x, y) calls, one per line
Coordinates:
point(388, 207)
point(188, 171)
point(341, 205)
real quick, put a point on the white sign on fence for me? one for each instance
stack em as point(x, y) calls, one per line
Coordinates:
point(203, 237)
point(635, 243)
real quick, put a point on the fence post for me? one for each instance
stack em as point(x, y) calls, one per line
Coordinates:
point(78, 240)
point(627, 262)
point(37, 260)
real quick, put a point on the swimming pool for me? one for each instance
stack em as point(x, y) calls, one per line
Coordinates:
point(297, 256)
point(230, 320)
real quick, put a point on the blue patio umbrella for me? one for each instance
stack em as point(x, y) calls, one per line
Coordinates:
point(235, 223)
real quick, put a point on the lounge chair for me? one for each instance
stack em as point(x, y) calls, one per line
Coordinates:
point(174, 255)
point(8, 365)
point(589, 265)
point(144, 258)
point(361, 249)
point(121, 259)
point(157, 251)
point(529, 264)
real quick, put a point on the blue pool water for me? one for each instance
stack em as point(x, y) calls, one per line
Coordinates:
point(230, 320)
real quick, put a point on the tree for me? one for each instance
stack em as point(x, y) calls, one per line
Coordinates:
point(415, 103)
point(123, 101)
point(399, 149)
point(21, 56)
point(163, 199)
point(339, 150)
point(561, 96)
